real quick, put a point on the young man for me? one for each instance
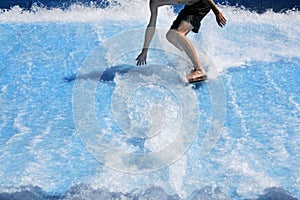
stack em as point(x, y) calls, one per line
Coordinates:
point(189, 19)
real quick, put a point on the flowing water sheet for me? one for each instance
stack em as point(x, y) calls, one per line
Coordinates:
point(78, 119)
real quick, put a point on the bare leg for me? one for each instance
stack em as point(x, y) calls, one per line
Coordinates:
point(178, 39)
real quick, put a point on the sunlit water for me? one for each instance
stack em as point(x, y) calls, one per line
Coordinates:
point(43, 154)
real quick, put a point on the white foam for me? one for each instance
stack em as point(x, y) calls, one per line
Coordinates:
point(135, 10)
point(227, 47)
point(252, 179)
point(251, 37)
point(247, 37)
point(177, 172)
point(4, 88)
point(22, 130)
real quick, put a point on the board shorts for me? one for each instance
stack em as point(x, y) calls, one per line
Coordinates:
point(192, 14)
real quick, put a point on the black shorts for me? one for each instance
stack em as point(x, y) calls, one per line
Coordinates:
point(194, 17)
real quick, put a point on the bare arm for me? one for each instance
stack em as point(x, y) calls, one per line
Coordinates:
point(219, 16)
point(150, 30)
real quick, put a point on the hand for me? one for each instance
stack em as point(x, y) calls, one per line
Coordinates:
point(220, 19)
point(141, 59)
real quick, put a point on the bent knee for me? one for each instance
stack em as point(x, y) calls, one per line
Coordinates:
point(172, 35)
point(169, 35)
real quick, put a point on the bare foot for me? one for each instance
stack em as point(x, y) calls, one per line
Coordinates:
point(196, 76)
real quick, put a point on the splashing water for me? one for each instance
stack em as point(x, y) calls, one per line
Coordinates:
point(43, 154)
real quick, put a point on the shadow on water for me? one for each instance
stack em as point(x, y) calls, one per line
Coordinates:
point(198, 85)
point(109, 74)
point(105, 76)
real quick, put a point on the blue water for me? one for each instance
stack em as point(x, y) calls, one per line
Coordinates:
point(80, 121)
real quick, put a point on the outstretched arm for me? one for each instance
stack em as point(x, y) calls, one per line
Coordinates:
point(219, 16)
point(141, 59)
